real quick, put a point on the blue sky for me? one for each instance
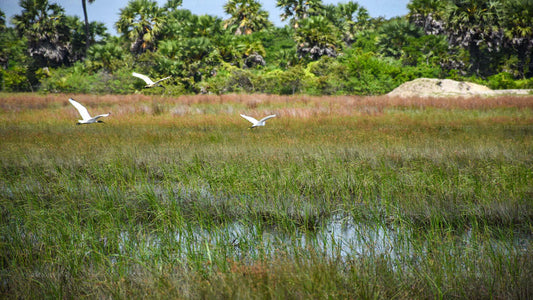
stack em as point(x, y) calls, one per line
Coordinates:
point(107, 11)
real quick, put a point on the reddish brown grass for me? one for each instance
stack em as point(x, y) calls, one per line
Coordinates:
point(295, 105)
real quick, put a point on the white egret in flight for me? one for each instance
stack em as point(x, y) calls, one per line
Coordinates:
point(256, 123)
point(86, 118)
point(149, 82)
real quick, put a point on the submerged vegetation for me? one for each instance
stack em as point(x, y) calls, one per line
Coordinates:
point(338, 197)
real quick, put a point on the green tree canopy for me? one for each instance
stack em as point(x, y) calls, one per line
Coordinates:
point(246, 15)
point(44, 26)
point(141, 21)
point(316, 37)
point(297, 10)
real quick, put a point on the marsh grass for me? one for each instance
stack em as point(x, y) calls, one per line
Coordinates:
point(338, 197)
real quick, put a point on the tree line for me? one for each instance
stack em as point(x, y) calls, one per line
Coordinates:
point(324, 49)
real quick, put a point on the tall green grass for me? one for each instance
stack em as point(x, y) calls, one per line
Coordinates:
point(175, 197)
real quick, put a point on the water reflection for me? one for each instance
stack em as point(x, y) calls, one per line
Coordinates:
point(341, 237)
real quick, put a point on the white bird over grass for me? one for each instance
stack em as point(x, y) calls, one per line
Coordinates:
point(256, 123)
point(86, 118)
point(149, 82)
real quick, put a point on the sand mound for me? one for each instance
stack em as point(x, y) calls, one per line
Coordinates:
point(429, 87)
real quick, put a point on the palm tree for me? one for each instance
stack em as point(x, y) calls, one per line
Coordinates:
point(44, 26)
point(140, 22)
point(299, 9)
point(350, 18)
point(247, 15)
point(475, 26)
point(428, 14)
point(316, 37)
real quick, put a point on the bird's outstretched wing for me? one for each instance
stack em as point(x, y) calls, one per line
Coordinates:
point(266, 118)
point(162, 79)
point(100, 116)
point(81, 109)
point(143, 77)
point(252, 120)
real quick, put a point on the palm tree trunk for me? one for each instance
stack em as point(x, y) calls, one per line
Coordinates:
point(87, 40)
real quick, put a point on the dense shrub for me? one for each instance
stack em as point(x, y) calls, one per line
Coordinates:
point(354, 73)
point(506, 80)
point(368, 74)
point(77, 80)
point(331, 76)
point(502, 80)
point(14, 79)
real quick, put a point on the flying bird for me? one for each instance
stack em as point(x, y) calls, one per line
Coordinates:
point(149, 82)
point(86, 118)
point(256, 123)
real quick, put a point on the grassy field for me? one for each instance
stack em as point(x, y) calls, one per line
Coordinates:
point(337, 197)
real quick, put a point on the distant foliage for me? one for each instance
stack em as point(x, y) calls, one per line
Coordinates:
point(76, 80)
point(325, 49)
point(506, 80)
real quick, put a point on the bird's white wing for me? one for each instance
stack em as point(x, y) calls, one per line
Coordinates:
point(266, 118)
point(99, 116)
point(252, 120)
point(81, 109)
point(162, 79)
point(143, 77)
